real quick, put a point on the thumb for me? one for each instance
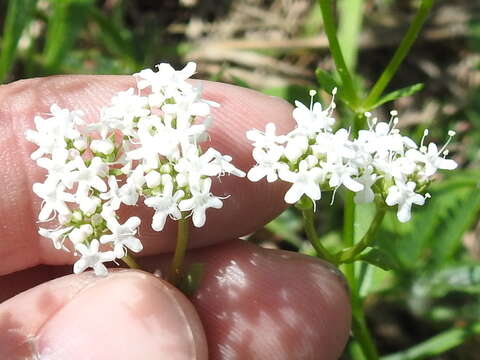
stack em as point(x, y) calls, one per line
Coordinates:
point(128, 315)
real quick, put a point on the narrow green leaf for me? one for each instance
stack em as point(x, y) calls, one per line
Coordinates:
point(64, 25)
point(394, 95)
point(19, 14)
point(326, 81)
point(379, 258)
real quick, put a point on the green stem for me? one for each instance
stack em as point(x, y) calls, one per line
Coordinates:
point(400, 54)
point(348, 236)
point(336, 51)
point(359, 327)
point(130, 261)
point(175, 273)
point(362, 334)
point(349, 254)
point(308, 222)
point(438, 344)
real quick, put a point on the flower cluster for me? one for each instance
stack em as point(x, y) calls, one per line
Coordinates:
point(145, 147)
point(314, 158)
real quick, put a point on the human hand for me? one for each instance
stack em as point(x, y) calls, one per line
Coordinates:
point(252, 303)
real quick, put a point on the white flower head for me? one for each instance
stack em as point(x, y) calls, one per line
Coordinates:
point(404, 195)
point(91, 257)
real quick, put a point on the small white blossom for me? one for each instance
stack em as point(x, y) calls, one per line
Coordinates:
point(123, 236)
point(165, 204)
point(405, 196)
point(201, 200)
point(56, 235)
point(92, 258)
point(305, 182)
point(54, 199)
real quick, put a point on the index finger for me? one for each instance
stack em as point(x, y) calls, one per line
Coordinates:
point(248, 207)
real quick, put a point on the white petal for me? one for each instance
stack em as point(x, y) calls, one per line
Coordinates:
point(256, 173)
point(293, 194)
point(404, 212)
point(199, 217)
point(158, 220)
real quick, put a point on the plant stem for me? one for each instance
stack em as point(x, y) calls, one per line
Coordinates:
point(130, 261)
point(175, 273)
point(308, 222)
point(362, 334)
point(348, 236)
point(349, 254)
point(359, 327)
point(400, 54)
point(336, 51)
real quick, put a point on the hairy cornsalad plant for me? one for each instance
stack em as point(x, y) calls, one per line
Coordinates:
point(145, 148)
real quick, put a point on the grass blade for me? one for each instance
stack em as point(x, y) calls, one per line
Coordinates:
point(19, 14)
point(63, 27)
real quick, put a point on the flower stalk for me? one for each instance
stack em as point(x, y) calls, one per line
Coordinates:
point(131, 262)
point(309, 226)
point(176, 267)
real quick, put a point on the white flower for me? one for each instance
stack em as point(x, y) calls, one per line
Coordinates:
point(305, 181)
point(296, 147)
point(88, 177)
point(432, 158)
point(268, 164)
point(88, 204)
point(56, 235)
point(342, 174)
point(112, 195)
point(404, 195)
point(153, 179)
point(54, 198)
point(125, 107)
point(187, 106)
point(42, 138)
point(367, 180)
point(92, 258)
point(58, 166)
point(312, 121)
point(265, 139)
point(225, 164)
point(166, 80)
point(336, 147)
point(103, 146)
point(123, 236)
point(165, 205)
point(201, 200)
point(194, 166)
point(79, 235)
